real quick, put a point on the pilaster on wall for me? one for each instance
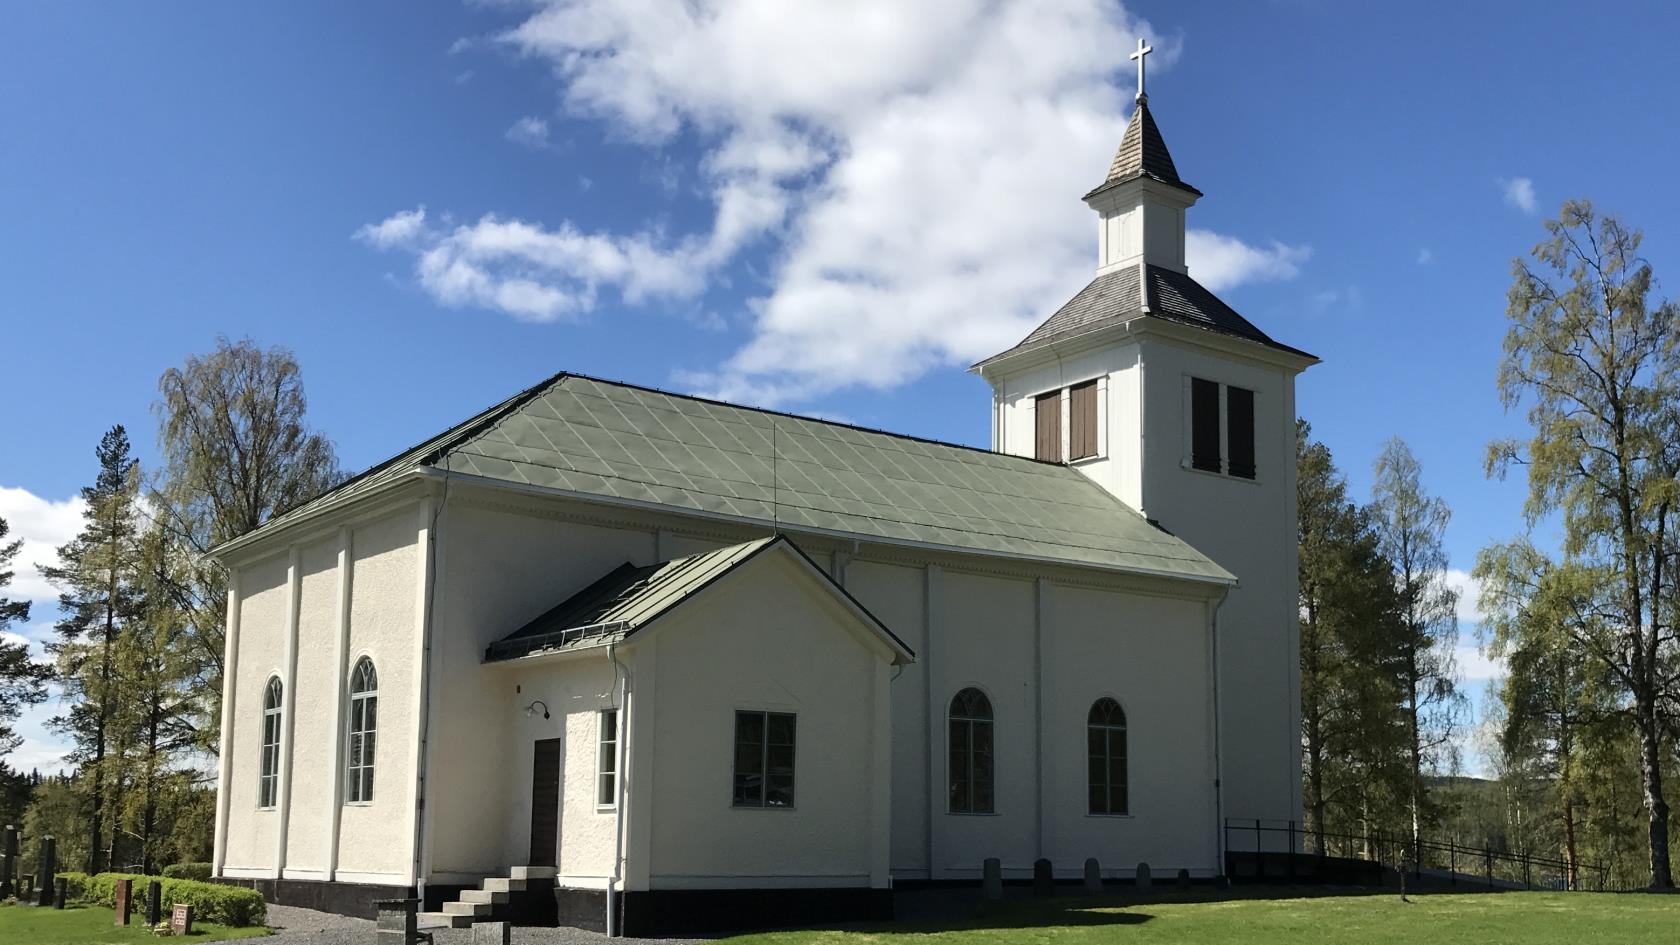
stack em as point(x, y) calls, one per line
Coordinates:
point(639, 726)
point(422, 654)
point(932, 591)
point(341, 686)
point(288, 701)
point(230, 678)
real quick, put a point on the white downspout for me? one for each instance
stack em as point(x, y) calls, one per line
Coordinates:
point(1218, 768)
point(623, 674)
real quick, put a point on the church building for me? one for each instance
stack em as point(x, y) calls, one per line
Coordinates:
point(641, 662)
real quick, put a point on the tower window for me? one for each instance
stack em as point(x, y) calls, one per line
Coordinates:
point(1204, 425)
point(1082, 420)
point(1048, 408)
point(1239, 424)
point(1221, 428)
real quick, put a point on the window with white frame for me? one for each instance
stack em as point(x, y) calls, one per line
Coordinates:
point(268, 780)
point(1105, 744)
point(606, 758)
point(764, 743)
point(364, 722)
point(971, 753)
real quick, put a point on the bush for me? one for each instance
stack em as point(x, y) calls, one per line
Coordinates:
point(198, 871)
point(75, 885)
point(211, 902)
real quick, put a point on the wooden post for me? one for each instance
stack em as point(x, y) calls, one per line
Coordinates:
point(1259, 851)
point(1488, 853)
point(1452, 861)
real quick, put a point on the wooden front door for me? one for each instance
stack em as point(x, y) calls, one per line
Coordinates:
point(545, 802)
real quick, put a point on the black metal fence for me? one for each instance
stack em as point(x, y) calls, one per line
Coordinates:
point(1284, 850)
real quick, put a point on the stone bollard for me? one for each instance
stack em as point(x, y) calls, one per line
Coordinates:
point(61, 892)
point(1183, 879)
point(48, 866)
point(124, 898)
point(1093, 875)
point(154, 903)
point(8, 862)
point(991, 872)
point(1044, 879)
point(397, 920)
point(490, 933)
point(1142, 878)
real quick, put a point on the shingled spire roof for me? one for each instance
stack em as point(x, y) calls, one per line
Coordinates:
point(1143, 153)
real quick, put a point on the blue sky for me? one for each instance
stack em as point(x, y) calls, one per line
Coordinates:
point(819, 209)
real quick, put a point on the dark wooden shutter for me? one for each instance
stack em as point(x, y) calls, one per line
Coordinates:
point(1082, 420)
point(1204, 425)
point(1049, 409)
point(1239, 428)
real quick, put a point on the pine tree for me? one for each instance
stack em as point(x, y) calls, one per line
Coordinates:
point(1350, 725)
point(98, 576)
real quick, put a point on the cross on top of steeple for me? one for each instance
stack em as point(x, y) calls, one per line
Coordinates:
point(1142, 51)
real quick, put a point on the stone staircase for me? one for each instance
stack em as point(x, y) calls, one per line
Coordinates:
point(486, 903)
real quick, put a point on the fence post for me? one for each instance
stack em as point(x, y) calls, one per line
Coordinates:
point(1289, 862)
point(1488, 852)
point(1259, 852)
point(1452, 861)
point(1527, 862)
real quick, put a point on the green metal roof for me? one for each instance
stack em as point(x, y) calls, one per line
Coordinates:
point(618, 442)
point(628, 598)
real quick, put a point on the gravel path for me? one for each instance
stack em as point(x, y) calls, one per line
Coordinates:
point(294, 926)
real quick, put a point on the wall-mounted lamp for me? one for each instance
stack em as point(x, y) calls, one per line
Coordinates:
point(531, 710)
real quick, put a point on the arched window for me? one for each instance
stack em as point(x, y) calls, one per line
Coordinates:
point(268, 783)
point(971, 753)
point(364, 719)
point(1105, 740)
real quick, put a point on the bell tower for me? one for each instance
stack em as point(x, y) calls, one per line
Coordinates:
point(1183, 409)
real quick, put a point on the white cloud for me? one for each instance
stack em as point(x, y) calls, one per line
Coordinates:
point(1469, 590)
point(398, 229)
point(1220, 262)
point(1425, 256)
point(1476, 666)
point(44, 525)
point(915, 168)
point(1519, 193)
point(529, 131)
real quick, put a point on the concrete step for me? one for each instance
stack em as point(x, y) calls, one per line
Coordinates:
point(501, 885)
point(484, 895)
point(477, 910)
point(533, 872)
point(448, 920)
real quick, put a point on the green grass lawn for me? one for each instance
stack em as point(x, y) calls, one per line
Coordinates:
point(1529, 918)
point(89, 925)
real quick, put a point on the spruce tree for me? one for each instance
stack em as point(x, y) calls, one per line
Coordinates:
point(98, 576)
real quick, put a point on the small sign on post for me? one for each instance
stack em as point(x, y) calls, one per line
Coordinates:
point(124, 900)
point(180, 919)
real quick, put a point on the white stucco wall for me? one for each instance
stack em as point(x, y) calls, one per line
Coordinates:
point(768, 638)
point(264, 597)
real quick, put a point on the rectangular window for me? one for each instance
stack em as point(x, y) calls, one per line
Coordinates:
point(764, 744)
point(606, 759)
point(1049, 412)
point(1239, 427)
point(1204, 425)
point(1082, 420)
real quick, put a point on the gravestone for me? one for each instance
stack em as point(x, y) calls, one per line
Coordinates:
point(397, 920)
point(991, 872)
point(490, 933)
point(48, 866)
point(1142, 881)
point(1183, 879)
point(180, 919)
point(154, 903)
point(60, 892)
point(26, 887)
point(1044, 880)
point(8, 862)
point(1093, 875)
point(124, 900)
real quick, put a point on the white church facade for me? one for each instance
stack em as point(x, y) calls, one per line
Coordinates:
point(673, 658)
